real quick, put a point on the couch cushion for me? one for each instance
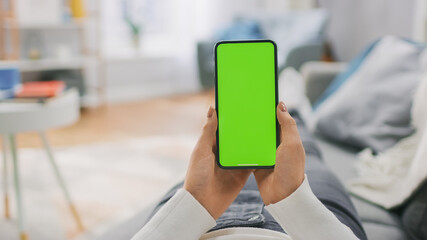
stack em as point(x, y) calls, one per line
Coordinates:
point(340, 158)
point(378, 222)
point(376, 231)
point(370, 213)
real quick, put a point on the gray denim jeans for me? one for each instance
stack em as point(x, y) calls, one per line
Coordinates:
point(248, 208)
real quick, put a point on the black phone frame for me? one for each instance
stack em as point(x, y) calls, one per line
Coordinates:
point(216, 99)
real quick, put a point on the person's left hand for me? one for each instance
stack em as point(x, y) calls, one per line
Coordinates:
point(215, 188)
point(287, 175)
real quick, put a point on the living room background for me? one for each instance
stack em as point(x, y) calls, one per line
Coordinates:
point(102, 101)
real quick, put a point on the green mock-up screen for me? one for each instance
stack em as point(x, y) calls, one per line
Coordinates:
point(246, 103)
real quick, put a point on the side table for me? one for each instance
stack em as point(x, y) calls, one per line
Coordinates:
point(18, 117)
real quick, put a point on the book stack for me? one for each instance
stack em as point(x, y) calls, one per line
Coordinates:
point(41, 90)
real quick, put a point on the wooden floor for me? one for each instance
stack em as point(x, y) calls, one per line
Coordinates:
point(171, 115)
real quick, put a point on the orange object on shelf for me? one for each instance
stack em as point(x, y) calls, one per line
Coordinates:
point(43, 89)
point(77, 8)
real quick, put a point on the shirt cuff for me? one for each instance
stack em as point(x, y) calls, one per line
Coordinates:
point(182, 217)
point(303, 216)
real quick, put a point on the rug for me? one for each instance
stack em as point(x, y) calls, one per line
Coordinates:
point(107, 181)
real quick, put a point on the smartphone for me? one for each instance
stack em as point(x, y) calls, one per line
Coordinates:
point(246, 99)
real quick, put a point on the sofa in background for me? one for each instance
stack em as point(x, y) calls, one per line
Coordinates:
point(378, 223)
point(295, 58)
point(299, 35)
point(405, 222)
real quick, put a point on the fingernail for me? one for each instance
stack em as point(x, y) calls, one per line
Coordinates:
point(210, 112)
point(282, 107)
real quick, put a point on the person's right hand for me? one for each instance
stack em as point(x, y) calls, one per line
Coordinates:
point(213, 187)
point(288, 174)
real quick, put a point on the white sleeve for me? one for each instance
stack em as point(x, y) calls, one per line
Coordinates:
point(303, 216)
point(182, 217)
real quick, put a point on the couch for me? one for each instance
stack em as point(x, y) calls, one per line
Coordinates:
point(299, 35)
point(295, 58)
point(378, 223)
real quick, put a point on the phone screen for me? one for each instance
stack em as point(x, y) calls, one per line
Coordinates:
point(246, 100)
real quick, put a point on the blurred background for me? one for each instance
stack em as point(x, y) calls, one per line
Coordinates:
point(114, 93)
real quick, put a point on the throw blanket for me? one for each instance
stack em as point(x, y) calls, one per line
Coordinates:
point(389, 178)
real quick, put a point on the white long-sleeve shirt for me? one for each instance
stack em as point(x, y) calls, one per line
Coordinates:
point(301, 215)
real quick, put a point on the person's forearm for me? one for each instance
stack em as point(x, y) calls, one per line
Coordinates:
point(303, 216)
point(182, 217)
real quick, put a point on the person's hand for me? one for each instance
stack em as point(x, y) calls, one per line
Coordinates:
point(215, 188)
point(288, 174)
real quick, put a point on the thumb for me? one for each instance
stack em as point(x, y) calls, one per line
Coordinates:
point(209, 129)
point(288, 126)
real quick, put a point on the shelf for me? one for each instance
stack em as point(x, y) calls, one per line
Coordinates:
point(70, 26)
point(131, 55)
point(135, 57)
point(48, 26)
point(44, 64)
point(63, 26)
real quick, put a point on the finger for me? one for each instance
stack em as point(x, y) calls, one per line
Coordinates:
point(209, 129)
point(288, 127)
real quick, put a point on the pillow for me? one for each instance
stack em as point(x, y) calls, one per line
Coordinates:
point(241, 29)
point(371, 109)
point(414, 217)
point(292, 28)
point(344, 76)
point(353, 66)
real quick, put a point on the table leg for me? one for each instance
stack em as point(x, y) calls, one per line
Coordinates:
point(5, 177)
point(61, 180)
point(21, 225)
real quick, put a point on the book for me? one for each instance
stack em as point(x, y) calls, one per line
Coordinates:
point(7, 93)
point(42, 89)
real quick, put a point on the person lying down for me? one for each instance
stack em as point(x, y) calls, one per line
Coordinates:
point(299, 199)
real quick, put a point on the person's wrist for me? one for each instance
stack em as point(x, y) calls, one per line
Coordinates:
point(286, 191)
point(207, 202)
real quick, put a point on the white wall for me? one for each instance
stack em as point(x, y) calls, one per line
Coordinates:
point(354, 24)
point(166, 63)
